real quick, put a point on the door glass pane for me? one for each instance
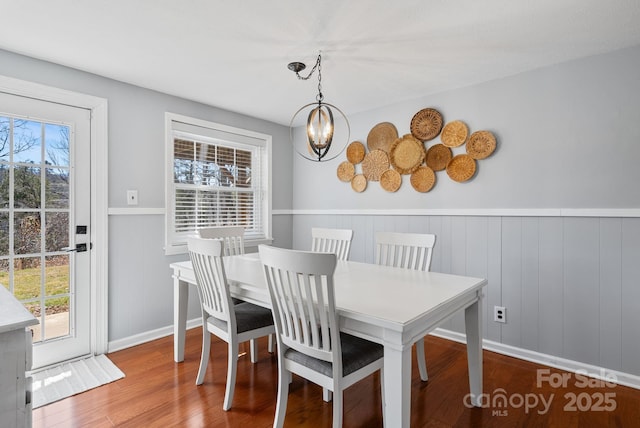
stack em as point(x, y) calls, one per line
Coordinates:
point(56, 318)
point(56, 145)
point(56, 231)
point(26, 187)
point(57, 188)
point(4, 274)
point(26, 232)
point(27, 141)
point(5, 133)
point(57, 275)
point(26, 278)
point(4, 234)
point(5, 128)
point(4, 185)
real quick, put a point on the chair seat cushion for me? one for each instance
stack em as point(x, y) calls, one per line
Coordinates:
point(248, 317)
point(356, 354)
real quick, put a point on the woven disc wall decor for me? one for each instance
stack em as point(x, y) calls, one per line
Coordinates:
point(359, 183)
point(346, 171)
point(454, 133)
point(423, 179)
point(481, 144)
point(461, 168)
point(426, 124)
point(438, 156)
point(374, 164)
point(390, 180)
point(407, 154)
point(382, 136)
point(355, 152)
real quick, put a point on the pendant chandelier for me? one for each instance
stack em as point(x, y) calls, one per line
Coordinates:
point(321, 124)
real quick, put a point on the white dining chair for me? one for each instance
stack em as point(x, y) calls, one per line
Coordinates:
point(310, 344)
point(336, 241)
point(409, 251)
point(233, 323)
point(233, 237)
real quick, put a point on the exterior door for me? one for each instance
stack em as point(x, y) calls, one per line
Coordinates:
point(45, 221)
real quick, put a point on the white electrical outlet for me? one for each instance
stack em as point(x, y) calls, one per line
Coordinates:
point(132, 197)
point(500, 314)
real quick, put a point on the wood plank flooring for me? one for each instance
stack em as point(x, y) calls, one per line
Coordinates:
point(157, 392)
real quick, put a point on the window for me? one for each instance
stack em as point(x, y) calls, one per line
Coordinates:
point(216, 176)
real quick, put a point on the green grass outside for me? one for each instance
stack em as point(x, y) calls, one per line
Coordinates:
point(26, 284)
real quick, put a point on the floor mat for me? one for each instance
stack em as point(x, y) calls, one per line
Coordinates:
point(67, 379)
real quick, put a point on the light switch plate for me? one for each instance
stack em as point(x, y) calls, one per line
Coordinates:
point(132, 197)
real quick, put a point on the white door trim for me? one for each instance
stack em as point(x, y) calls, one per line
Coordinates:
point(99, 194)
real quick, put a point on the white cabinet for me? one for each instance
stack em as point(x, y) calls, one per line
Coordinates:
point(15, 361)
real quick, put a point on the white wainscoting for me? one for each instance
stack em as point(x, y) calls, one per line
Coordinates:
point(570, 282)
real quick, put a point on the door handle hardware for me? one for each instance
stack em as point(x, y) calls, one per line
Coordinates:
point(80, 248)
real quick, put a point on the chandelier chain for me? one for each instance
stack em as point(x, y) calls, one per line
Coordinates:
point(317, 66)
point(319, 97)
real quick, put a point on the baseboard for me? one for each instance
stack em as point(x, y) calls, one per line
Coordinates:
point(148, 336)
point(602, 373)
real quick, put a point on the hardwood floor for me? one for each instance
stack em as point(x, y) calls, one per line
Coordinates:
point(157, 392)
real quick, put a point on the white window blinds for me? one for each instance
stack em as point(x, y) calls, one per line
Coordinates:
point(218, 178)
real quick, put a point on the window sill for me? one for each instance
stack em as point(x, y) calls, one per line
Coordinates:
point(251, 245)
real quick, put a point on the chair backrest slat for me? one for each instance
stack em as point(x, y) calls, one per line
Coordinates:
point(302, 296)
point(405, 250)
point(336, 241)
point(206, 258)
point(232, 236)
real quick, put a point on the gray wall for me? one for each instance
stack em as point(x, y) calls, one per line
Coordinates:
point(568, 138)
point(140, 284)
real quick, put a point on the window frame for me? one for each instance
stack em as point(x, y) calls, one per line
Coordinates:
point(175, 243)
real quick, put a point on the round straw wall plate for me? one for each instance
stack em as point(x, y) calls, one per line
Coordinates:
point(390, 180)
point(423, 179)
point(407, 154)
point(426, 124)
point(481, 144)
point(355, 152)
point(438, 156)
point(374, 164)
point(461, 168)
point(346, 171)
point(382, 136)
point(359, 183)
point(454, 133)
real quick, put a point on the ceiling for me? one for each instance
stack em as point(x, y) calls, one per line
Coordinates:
point(234, 54)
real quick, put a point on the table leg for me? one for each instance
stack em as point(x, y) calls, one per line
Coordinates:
point(473, 327)
point(397, 387)
point(180, 305)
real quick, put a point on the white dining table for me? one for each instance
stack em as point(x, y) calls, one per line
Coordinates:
point(391, 306)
